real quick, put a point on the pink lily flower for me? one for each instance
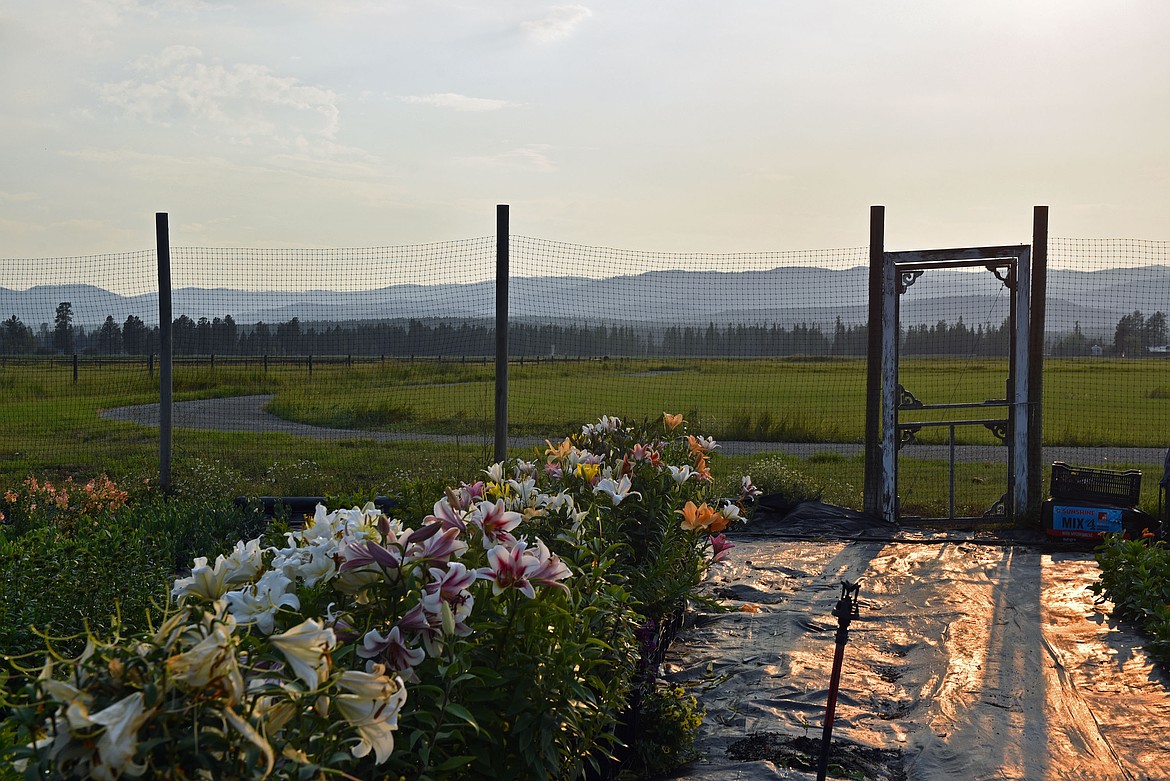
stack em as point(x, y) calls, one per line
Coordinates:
point(509, 569)
point(549, 569)
point(448, 516)
point(452, 580)
point(439, 548)
point(361, 554)
point(747, 490)
point(392, 648)
point(496, 523)
point(720, 546)
point(427, 625)
point(472, 492)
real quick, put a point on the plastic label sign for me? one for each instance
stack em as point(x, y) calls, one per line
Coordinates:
point(1085, 521)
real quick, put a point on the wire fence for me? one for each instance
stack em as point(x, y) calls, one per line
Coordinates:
point(287, 350)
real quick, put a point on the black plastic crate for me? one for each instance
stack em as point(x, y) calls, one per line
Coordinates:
point(1078, 483)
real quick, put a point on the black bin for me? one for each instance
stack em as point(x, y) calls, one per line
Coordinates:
point(1087, 503)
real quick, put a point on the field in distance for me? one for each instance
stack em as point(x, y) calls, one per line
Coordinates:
point(1087, 402)
point(49, 425)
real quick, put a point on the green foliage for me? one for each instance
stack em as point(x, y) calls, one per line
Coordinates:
point(779, 475)
point(53, 586)
point(1135, 576)
point(552, 676)
point(668, 724)
point(62, 571)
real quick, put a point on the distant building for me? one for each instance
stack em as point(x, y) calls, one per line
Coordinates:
point(1095, 351)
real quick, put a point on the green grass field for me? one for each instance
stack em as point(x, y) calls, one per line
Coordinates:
point(1086, 402)
point(50, 426)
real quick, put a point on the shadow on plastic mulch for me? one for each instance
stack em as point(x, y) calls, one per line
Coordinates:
point(847, 760)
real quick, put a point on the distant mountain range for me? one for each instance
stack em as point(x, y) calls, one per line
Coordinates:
point(786, 296)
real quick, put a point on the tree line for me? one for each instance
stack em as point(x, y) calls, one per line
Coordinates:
point(1135, 336)
point(1136, 333)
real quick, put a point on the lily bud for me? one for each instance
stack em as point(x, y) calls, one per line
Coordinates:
point(448, 619)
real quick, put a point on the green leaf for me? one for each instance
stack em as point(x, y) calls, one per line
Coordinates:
point(454, 763)
point(457, 710)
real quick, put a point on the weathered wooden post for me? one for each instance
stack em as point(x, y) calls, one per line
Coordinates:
point(1036, 357)
point(165, 356)
point(873, 363)
point(501, 449)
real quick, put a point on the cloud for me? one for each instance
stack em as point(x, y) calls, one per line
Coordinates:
point(246, 103)
point(456, 102)
point(530, 158)
point(7, 197)
point(557, 24)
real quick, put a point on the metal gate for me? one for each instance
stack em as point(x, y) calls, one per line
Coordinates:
point(1017, 416)
point(1006, 418)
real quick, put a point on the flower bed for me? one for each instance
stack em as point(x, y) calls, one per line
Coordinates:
point(501, 634)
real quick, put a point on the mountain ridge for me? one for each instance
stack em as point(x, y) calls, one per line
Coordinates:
point(785, 296)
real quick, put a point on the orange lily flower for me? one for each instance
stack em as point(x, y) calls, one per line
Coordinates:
point(558, 452)
point(702, 468)
point(672, 421)
point(695, 445)
point(701, 518)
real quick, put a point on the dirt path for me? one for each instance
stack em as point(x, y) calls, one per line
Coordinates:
point(975, 662)
point(247, 413)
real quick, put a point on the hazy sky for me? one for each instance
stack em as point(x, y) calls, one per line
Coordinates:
point(737, 125)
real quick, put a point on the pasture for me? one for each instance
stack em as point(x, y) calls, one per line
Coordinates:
point(49, 425)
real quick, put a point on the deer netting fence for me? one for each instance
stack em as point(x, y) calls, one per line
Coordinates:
point(285, 354)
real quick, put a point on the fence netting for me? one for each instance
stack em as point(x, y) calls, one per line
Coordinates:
point(282, 356)
point(74, 342)
point(768, 345)
point(1108, 379)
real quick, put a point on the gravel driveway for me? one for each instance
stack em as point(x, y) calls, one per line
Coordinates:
point(247, 413)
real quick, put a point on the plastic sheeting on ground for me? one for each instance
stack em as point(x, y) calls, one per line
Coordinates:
point(977, 661)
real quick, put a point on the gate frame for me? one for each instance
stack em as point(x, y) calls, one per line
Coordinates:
point(889, 273)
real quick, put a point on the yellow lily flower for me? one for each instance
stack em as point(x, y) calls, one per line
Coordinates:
point(588, 472)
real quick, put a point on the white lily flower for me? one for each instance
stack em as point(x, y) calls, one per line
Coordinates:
point(113, 754)
point(371, 705)
point(205, 581)
point(312, 564)
point(605, 425)
point(616, 491)
point(306, 647)
point(680, 474)
point(320, 526)
point(243, 564)
point(257, 604)
point(375, 684)
point(525, 490)
point(321, 566)
point(495, 472)
point(356, 582)
point(707, 443)
point(210, 660)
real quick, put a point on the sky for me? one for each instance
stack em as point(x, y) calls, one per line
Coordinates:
point(660, 125)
